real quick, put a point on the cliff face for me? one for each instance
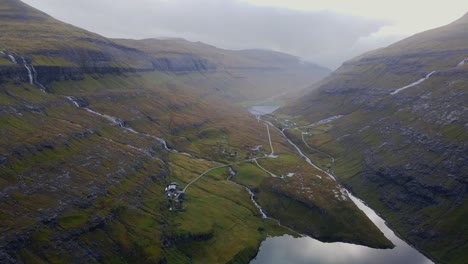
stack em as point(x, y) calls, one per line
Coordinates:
point(184, 64)
point(75, 67)
point(402, 142)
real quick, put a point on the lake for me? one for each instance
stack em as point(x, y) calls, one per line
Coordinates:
point(260, 110)
point(287, 249)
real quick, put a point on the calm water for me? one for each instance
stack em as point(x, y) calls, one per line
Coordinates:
point(259, 110)
point(286, 249)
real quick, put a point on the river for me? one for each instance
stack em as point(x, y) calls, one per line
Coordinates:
point(287, 249)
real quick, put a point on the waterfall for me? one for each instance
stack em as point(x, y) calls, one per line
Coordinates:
point(413, 84)
point(462, 63)
point(74, 101)
point(32, 75)
point(12, 59)
point(252, 198)
point(35, 78)
point(31, 81)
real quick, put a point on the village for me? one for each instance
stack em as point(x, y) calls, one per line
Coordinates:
point(176, 195)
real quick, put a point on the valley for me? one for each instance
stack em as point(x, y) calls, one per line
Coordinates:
point(172, 151)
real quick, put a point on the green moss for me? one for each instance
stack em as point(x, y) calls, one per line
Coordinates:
point(72, 220)
point(249, 174)
point(38, 60)
point(27, 256)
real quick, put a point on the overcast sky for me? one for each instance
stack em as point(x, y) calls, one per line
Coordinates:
point(326, 32)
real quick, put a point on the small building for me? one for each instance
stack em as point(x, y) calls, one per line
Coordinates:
point(173, 186)
point(175, 195)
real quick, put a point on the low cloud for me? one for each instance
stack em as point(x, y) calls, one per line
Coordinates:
point(326, 38)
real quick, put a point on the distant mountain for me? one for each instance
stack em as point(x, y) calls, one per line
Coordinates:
point(400, 139)
point(243, 75)
point(31, 37)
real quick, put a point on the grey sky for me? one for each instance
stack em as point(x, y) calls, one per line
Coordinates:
point(324, 37)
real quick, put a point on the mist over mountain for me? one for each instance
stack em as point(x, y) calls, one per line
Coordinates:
point(324, 37)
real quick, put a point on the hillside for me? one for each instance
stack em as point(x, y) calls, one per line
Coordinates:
point(29, 33)
point(399, 136)
point(94, 131)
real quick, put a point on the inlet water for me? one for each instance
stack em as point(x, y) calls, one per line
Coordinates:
point(287, 249)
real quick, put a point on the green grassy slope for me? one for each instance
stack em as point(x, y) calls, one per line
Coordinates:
point(405, 153)
point(70, 175)
point(84, 181)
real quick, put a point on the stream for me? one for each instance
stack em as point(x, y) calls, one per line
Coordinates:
point(287, 249)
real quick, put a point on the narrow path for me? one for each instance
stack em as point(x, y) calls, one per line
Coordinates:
point(121, 123)
point(204, 173)
point(248, 160)
point(269, 139)
point(320, 152)
point(300, 151)
point(265, 170)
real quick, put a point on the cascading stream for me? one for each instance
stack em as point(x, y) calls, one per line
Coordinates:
point(30, 73)
point(413, 84)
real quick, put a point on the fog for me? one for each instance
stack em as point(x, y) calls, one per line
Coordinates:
point(324, 37)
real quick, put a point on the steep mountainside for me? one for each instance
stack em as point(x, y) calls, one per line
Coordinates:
point(92, 133)
point(400, 135)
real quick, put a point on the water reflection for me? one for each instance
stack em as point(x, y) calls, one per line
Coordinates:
point(287, 249)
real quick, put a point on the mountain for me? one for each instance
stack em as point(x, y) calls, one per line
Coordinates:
point(244, 75)
point(96, 133)
point(31, 37)
point(399, 135)
point(49, 42)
